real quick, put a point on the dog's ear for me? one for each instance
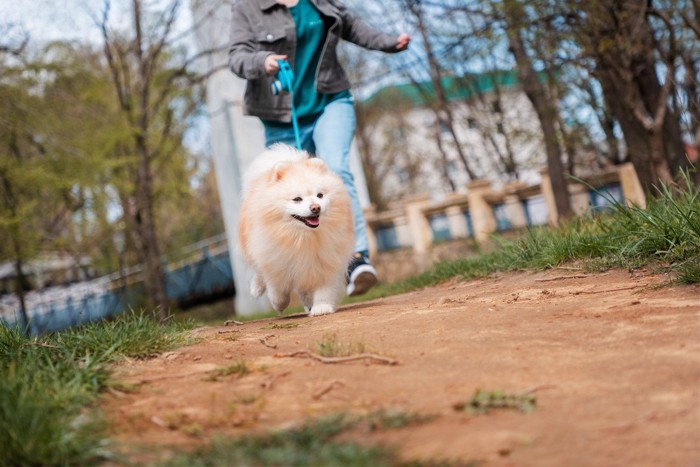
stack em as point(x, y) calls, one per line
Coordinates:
point(278, 171)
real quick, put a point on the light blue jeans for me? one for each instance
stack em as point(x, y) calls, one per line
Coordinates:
point(329, 137)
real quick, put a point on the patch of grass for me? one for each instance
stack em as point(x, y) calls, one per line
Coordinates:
point(240, 369)
point(689, 271)
point(485, 401)
point(330, 346)
point(311, 444)
point(282, 326)
point(49, 384)
point(394, 419)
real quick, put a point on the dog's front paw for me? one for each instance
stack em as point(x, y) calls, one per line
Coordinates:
point(321, 309)
point(257, 286)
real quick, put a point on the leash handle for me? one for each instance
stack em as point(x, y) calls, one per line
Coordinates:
point(286, 77)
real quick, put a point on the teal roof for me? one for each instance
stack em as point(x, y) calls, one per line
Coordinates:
point(457, 88)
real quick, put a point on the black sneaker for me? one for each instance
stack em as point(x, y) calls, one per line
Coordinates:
point(361, 275)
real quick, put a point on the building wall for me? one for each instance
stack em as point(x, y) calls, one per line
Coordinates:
point(414, 132)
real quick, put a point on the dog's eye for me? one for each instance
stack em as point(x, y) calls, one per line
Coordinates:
point(320, 195)
point(297, 199)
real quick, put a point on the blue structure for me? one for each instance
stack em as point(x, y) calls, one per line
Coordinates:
point(440, 227)
point(205, 277)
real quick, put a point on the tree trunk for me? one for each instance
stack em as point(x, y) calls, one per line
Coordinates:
point(546, 112)
point(20, 282)
point(365, 148)
point(620, 39)
point(153, 275)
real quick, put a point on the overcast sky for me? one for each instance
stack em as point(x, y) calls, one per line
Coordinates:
point(47, 20)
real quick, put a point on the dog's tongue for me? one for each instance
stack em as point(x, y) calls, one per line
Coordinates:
point(312, 221)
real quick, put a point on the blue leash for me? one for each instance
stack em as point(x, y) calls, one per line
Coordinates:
point(285, 82)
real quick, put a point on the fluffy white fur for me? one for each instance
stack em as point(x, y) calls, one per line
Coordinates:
point(295, 229)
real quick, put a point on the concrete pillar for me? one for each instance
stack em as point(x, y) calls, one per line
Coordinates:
point(580, 198)
point(483, 220)
point(420, 227)
point(548, 193)
point(403, 230)
point(631, 187)
point(457, 221)
point(514, 206)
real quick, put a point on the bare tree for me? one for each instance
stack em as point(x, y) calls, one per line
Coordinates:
point(149, 77)
point(440, 103)
point(619, 37)
point(545, 106)
point(14, 40)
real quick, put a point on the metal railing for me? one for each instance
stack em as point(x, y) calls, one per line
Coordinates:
point(206, 273)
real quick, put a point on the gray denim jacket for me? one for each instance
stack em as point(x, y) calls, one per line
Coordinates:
point(263, 27)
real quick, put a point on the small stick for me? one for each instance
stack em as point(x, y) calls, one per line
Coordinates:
point(43, 344)
point(267, 385)
point(263, 341)
point(566, 268)
point(580, 292)
point(233, 321)
point(229, 331)
point(538, 388)
point(350, 358)
point(328, 388)
point(578, 276)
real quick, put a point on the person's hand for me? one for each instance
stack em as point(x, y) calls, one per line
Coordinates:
point(402, 41)
point(271, 65)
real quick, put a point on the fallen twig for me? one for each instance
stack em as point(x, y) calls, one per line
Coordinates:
point(229, 331)
point(651, 416)
point(349, 358)
point(42, 344)
point(233, 321)
point(568, 268)
point(581, 292)
point(170, 376)
point(267, 385)
point(263, 341)
point(327, 388)
point(539, 388)
point(577, 276)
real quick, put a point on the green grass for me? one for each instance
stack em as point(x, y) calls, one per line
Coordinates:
point(330, 346)
point(239, 369)
point(49, 386)
point(310, 444)
point(314, 443)
point(485, 401)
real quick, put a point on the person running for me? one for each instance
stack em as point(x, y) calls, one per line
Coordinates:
point(306, 33)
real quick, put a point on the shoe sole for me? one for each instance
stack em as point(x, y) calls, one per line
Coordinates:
point(362, 282)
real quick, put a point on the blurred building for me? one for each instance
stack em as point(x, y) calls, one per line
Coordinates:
point(493, 120)
point(46, 270)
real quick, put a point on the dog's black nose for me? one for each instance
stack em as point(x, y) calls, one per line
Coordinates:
point(315, 209)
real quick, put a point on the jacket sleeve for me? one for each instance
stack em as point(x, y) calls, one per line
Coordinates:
point(244, 59)
point(359, 33)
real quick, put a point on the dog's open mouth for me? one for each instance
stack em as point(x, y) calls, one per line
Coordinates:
point(311, 221)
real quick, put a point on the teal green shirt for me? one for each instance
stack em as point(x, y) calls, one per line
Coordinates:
point(311, 36)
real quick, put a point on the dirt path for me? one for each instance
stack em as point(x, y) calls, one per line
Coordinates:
point(613, 360)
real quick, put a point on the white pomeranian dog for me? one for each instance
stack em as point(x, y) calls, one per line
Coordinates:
point(295, 229)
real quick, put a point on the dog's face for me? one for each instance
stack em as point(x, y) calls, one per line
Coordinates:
point(304, 192)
